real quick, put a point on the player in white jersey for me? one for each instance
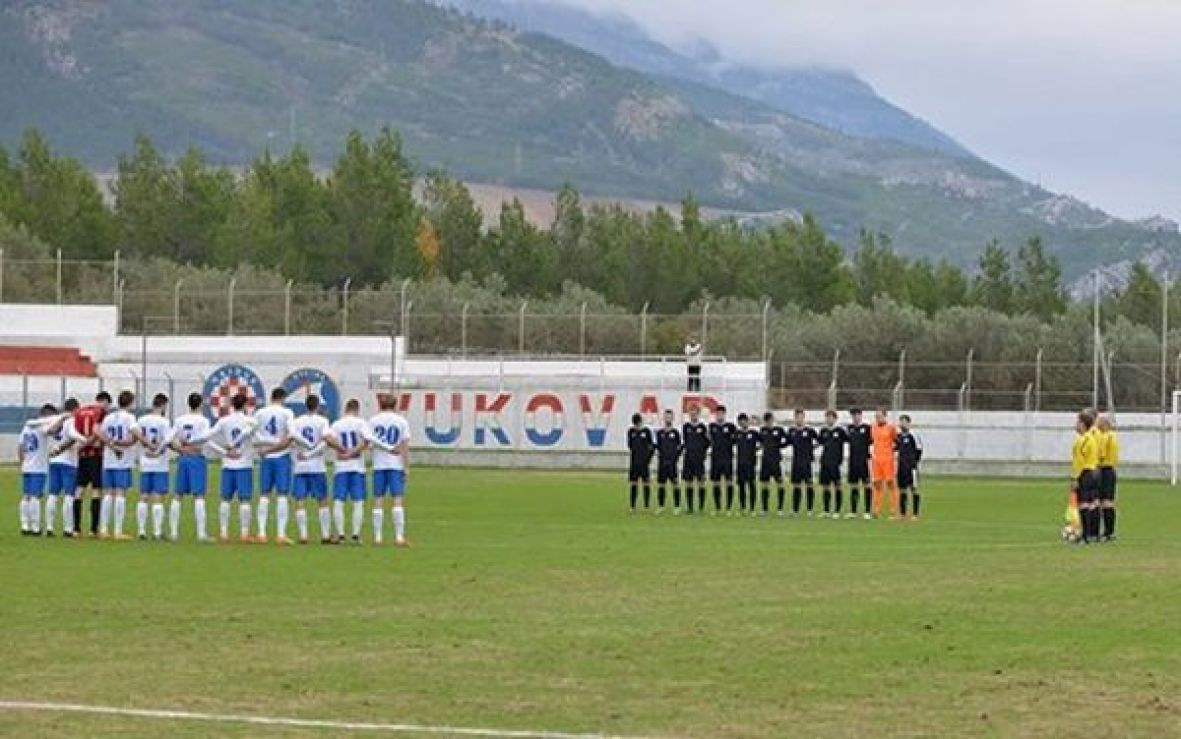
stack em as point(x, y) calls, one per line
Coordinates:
point(271, 442)
point(154, 433)
point(117, 439)
point(189, 435)
point(233, 435)
point(63, 471)
point(311, 478)
point(391, 463)
point(32, 454)
point(349, 436)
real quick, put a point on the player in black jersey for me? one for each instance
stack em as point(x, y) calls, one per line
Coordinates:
point(832, 452)
point(695, 437)
point(773, 439)
point(640, 445)
point(668, 453)
point(721, 458)
point(746, 443)
point(910, 453)
point(860, 439)
point(802, 440)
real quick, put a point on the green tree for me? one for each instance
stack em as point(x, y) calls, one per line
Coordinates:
point(1140, 300)
point(60, 202)
point(371, 200)
point(1037, 288)
point(877, 270)
point(458, 224)
point(993, 286)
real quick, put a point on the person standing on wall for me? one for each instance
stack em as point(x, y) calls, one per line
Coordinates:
point(693, 353)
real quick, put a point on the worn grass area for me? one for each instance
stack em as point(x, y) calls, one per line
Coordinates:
point(532, 601)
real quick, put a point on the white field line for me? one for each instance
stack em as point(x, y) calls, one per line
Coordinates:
point(231, 718)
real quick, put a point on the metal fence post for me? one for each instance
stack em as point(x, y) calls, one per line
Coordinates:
point(171, 396)
point(582, 330)
point(344, 319)
point(59, 277)
point(287, 308)
point(230, 307)
point(115, 281)
point(521, 327)
point(406, 326)
point(176, 306)
point(704, 324)
point(402, 304)
point(900, 388)
point(120, 290)
point(1037, 382)
point(834, 377)
point(644, 331)
point(24, 393)
point(463, 329)
point(766, 316)
point(1, 275)
point(968, 379)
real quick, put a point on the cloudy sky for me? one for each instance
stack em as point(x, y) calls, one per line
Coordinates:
point(1083, 96)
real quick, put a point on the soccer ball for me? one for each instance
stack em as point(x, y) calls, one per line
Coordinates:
point(1069, 535)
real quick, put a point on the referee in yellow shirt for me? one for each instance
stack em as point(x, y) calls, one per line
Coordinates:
point(1084, 465)
point(1108, 460)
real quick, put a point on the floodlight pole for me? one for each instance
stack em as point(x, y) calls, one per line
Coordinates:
point(1096, 341)
point(1164, 364)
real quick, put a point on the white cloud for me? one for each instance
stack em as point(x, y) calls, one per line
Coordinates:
point(1081, 95)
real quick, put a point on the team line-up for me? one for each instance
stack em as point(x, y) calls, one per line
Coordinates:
point(95, 448)
point(883, 464)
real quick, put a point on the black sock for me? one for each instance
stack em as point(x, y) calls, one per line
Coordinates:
point(77, 515)
point(676, 497)
point(660, 496)
point(811, 499)
point(647, 495)
point(868, 499)
point(635, 491)
point(797, 496)
point(854, 499)
point(729, 497)
point(902, 502)
point(766, 500)
point(827, 500)
point(717, 497)
point(1109, 522)
point(1091, 524)
point(701, 499)
point(782, 498)
point(915, 500)
point(95, 510)
point(838, 498)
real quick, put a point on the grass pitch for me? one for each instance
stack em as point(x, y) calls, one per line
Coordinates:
point(532, 601)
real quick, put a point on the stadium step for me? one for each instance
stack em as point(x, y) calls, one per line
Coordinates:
point(46, 360)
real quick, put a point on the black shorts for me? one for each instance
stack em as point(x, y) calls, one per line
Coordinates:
point(801, 473)
point(666, 472)
point(907, 477)
point(90, 472)
point(1087, 486)
point(830, 473)
point(746, 473)
point(1107, 483)
point(694, 469)
point(721, 469)
point(772, 469)
point(859, 471)
point(638, 471)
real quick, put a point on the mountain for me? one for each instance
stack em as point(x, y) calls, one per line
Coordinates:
point(835, 99)
point(497, 105)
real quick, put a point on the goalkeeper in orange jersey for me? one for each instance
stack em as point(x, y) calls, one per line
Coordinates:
point(885, 468)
